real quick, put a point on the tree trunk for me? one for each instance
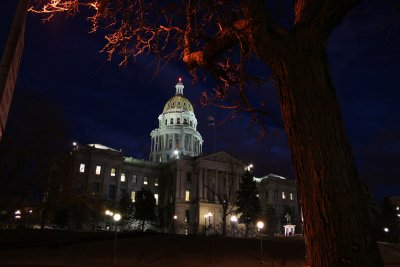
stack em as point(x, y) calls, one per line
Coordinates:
point(224, 211)
point(246, 230)
point(336, 219)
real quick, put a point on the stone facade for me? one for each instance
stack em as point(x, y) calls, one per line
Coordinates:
point(188, 188)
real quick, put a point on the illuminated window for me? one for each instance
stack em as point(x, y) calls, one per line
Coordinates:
point(145, 180)
point(156, 182)
point(291, 196)
point(123, 177)
point(98, 170)
point(134, 179)
point(133, 196)
point(187, 195)
point(397, 208)
point(283, 195)
point(82, 168)
point(113, 171)
point(156, 197)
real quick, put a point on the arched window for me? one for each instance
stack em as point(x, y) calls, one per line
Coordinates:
point(166, 122)
point(171, 121)
point(184, 121)
point(178, 121)
point(191, 124)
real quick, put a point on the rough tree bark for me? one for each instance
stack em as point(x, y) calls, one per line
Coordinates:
point(336, 218)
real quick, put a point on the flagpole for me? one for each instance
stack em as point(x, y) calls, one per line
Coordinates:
point(214, 136)
point(212, 118)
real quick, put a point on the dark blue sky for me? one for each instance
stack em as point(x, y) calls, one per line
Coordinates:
point(118, 107)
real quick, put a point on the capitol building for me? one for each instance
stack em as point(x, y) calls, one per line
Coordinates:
point(187, 184)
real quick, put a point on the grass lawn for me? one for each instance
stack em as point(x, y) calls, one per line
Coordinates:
point(64, 248)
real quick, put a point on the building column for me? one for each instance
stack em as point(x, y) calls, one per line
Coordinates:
point(173, 142)
point(205, 191)
point(183, 142)
point(200, 184)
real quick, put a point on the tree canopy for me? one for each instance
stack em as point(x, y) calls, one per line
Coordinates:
point(145, 204)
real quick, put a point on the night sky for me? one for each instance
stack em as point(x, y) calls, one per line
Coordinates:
point(118, 107)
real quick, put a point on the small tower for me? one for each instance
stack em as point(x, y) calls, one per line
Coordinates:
point(177, 133)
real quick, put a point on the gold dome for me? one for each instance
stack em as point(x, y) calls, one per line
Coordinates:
point(178, 102)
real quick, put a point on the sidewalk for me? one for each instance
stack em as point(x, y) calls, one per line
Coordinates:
point(390, 253)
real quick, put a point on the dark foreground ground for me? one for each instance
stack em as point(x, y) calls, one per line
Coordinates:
point(62, 248)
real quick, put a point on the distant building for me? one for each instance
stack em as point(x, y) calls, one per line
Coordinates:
point(280, 193)
point(188, 186)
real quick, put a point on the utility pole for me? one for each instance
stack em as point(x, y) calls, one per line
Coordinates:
point(11, 58)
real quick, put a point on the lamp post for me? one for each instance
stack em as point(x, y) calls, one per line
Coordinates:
point(260, 225)
point(174, 224)
point(117, 218)
point(233, 221)
point(205, 224)
point(108, 214)
point(209, 215)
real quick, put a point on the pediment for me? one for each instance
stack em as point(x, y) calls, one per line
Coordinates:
point(222, 157)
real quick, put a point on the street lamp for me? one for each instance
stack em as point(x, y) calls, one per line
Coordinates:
point(176, 153)
point(260, 225)
point(234, 220)
point(209, 215)
point(205, 224)
point(174, 223)
point(108, 214)
point(117, 218)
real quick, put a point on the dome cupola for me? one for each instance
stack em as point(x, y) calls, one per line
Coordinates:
point(177, 133)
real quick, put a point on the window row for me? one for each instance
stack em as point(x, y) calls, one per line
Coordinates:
point(284, 196)
point(123, 175)
point(178, 121)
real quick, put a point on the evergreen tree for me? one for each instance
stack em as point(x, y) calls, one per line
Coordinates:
point(126, 207)
point(272, 219)
point(247, 200)
point(145, 204)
